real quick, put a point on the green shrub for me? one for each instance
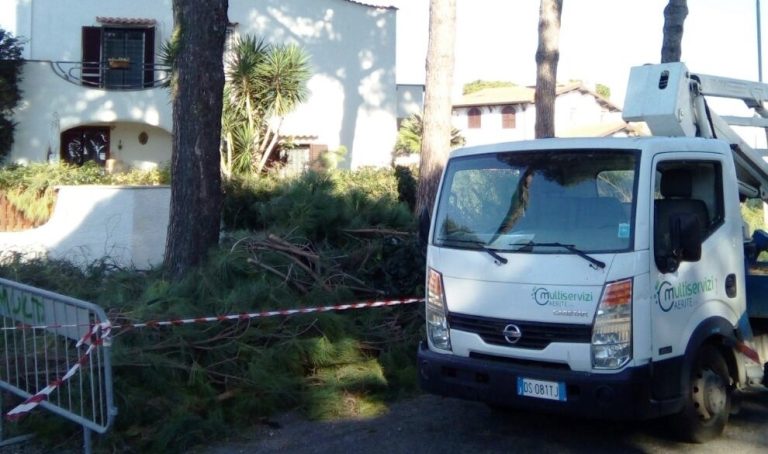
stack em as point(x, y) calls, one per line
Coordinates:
point(31, 188)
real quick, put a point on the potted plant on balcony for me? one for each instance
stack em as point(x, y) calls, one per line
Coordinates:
point(119, 62)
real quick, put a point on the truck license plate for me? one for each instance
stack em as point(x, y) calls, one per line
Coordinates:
point(541, 389)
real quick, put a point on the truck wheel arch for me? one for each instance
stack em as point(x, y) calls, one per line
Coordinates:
point(719, 332)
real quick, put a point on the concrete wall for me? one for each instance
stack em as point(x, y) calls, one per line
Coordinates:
point(126, 224)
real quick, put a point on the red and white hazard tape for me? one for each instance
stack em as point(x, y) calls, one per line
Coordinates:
point(93, 338)
point(251, 315)
point(99, 333)
point(222, 318)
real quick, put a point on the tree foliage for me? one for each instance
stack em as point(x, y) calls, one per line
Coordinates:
point(603, 90)
point(10, 94)
point(477, 85)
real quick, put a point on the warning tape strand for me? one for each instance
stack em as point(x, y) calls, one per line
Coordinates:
point(222, 318)
point(93, 338)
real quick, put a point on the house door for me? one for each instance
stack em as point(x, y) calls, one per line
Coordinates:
point(86, 143)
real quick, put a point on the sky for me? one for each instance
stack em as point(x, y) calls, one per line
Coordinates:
point(600, 40)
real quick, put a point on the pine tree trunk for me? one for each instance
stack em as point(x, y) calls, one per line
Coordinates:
point(436, 140)
point(674, 16)
point(547, 57)
point(196, 195)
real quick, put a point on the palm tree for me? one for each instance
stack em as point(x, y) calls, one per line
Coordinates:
point(410, 133)
point(283, 79)
point(264, 83)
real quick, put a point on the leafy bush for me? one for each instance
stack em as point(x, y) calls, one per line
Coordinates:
point(10, 94)
point(31, 188)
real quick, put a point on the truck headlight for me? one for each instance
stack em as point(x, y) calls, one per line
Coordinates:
point(612, 329)
point(438, 331)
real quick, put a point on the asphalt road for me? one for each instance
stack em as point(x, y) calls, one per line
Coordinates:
point(431, 424)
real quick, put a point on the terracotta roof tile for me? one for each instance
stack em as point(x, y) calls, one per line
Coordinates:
point(125, 20)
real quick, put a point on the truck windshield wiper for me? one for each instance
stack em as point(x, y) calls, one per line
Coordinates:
point(480, 245)
point(595, 263)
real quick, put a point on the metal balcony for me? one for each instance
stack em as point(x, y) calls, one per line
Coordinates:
point(113, 74)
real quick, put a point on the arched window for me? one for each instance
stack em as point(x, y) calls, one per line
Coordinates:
point(473, 121)
point(508, 117)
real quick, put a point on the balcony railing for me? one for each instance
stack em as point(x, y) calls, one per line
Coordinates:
point(113, 74)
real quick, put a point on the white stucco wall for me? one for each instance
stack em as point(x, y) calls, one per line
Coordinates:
point(410, 100)
point(490, 130)
point(51, 105)
point(53, 27)
point(126, 224)
point(128, 150)
point(353, 101)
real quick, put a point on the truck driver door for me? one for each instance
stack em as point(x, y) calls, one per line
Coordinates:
point(688, 192)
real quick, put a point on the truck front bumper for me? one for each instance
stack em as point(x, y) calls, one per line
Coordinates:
point(623, 395)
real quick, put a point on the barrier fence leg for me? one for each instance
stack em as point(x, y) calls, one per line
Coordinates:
point(86, 440)
point(10, 441)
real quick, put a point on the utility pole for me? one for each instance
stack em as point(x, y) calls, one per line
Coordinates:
point(759, 44)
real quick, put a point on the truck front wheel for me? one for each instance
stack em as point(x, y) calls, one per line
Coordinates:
point(708, 400)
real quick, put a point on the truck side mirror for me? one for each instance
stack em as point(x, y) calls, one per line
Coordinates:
point(424, 227)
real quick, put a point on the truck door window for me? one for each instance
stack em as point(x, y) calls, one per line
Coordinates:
point(685, 188)
point(706, 185)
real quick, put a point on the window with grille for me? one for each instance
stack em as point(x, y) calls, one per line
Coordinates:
point(85, 143)
point(118, 57)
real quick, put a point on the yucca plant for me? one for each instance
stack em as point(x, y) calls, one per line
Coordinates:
point(410, 133)
point(264, 83)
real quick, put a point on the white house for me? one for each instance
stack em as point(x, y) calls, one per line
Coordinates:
point(509, 113)
point(91, 82)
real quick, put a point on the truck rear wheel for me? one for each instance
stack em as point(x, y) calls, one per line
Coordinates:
point(708, 400)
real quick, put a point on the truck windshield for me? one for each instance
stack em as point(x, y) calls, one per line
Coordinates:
point(525, 201)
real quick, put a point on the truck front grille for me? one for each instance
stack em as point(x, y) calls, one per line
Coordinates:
point(534, 335)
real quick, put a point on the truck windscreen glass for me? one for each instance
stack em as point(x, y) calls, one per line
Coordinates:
point(516, 200)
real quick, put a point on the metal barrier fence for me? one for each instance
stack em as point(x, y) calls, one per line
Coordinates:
point(44, 337)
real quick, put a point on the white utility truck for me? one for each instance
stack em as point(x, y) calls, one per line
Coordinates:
point(606, 277)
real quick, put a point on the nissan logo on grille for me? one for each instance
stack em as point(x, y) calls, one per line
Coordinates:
point(512, 333)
